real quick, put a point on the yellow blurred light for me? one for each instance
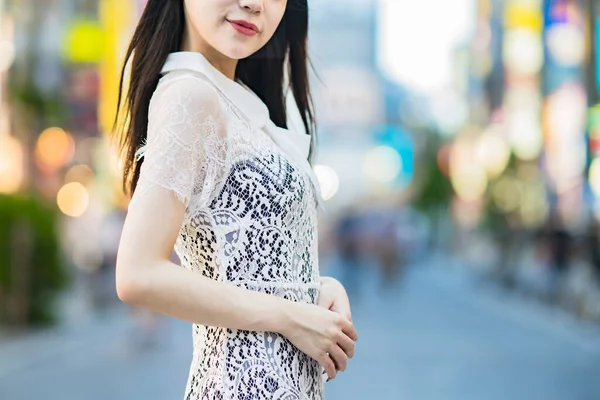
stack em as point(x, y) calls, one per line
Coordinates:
point(468, 177)
point(492, 153)
point(523, 51)
point(54, 148)
point(80, 173)
point(117, 18)
point(524, 14)
point(506, 194)
point(328, 181)
point(11, 164)
point(469, 183)
point(594, 176)
point(84, 42)
point(73, 199)
point(525, 133)
point(382, 164)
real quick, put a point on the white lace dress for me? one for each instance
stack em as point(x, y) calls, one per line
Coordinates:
point(251, 219)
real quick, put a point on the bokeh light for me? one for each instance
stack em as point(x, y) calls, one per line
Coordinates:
point(469, 182)
point(566, 44)
point(492, 152)
point(525, 134)
point(594, 176)
point(80, 173)
point(523, 51)
point(54, 148)
point(11, 164)
point(382, 164)
point(73, 199)
point(328, 180)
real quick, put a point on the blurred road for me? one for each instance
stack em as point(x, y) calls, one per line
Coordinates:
point(437, 335)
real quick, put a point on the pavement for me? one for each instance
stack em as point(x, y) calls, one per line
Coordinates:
point(437, 333)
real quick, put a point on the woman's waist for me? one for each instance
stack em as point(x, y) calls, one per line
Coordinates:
point(305, 292)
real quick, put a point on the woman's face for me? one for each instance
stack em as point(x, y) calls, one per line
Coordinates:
point(234, 28)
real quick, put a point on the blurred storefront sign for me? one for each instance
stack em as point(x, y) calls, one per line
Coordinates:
point(566, 102)
point(597, 49)
point(594, 130)
point(118, 19)
point(83, 42)
point(523, 58)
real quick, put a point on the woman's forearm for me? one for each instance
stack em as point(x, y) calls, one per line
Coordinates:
point(179, 293)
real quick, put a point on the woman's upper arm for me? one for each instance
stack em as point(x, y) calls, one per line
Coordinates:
point(178, 164)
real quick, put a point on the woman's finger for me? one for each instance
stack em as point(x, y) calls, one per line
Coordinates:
point(327, 363)
point(346, 344)
point(349, 330)
point(339, 358)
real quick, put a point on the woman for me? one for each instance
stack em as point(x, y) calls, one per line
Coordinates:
point(214, 172)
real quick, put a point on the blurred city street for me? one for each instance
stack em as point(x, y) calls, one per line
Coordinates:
point(456, 147)
point(439, 333)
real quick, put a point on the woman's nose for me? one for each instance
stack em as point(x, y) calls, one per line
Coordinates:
point(253, 6)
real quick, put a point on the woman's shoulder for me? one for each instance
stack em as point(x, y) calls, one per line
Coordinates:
point(187, 88)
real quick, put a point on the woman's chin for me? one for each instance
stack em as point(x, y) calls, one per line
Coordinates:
point(238, 52)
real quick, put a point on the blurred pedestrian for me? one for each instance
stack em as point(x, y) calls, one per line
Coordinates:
point(348, 235)
point(388, 253)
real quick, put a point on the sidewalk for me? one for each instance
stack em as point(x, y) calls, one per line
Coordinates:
point(78, 323)
point(18, 352)
point(578, 290)
point(436, 334)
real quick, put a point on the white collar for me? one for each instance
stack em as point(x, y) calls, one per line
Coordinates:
point(295, 144)
point(252, 107)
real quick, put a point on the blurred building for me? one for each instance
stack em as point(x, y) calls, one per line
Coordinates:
point(348, 94)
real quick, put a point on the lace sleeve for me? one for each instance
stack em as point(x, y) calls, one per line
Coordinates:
point(185, 149)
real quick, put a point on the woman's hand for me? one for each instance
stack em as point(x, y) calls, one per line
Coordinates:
point(324, 335)
point(333, 296)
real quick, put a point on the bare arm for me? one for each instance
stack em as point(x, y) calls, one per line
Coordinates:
point(146, 277)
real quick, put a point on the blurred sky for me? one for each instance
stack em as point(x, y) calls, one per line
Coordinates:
point(418, 44)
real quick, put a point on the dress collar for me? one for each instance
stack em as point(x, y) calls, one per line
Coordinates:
point(294, 143)
point(251, 105)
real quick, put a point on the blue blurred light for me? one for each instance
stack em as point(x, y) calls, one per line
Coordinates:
point(401, 141)
point(598, 53)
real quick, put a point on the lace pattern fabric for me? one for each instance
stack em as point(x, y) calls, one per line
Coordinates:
point(251, 218)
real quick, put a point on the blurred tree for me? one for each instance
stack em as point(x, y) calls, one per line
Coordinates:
point(434, 189)
point(31, 269)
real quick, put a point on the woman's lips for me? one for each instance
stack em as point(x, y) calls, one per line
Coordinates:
point(244, 27)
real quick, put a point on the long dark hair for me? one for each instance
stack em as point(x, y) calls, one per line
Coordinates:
point(160, 32)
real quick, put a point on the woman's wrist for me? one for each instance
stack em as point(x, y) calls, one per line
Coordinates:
point(282, 318)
